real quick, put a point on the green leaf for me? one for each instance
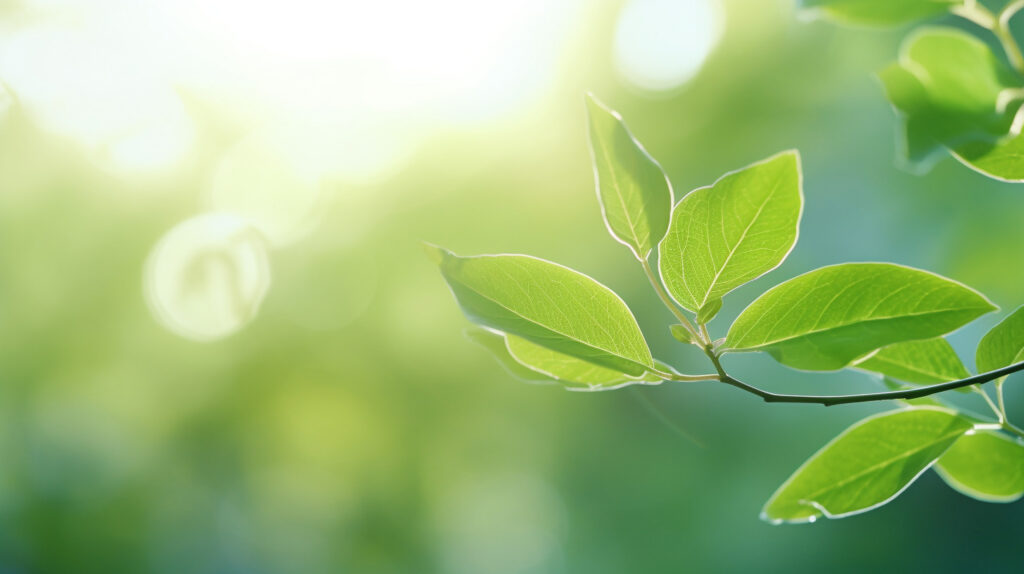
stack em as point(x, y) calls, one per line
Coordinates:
point(866, 466)
point(495, 343)
point(535, 364)
point(985, 465)
point(566, 369)
point(732, 232)
point(1003, 345)
point(825, 319)
point(929, 401)
point(878, 12)
point(681, 334)
point(924, 362)
point(999, 159)
point(635, 194)
point(547, 304)
point(954, 93)
point(708, 311)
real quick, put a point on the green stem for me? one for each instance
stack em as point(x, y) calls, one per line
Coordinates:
point(991, 404)
point(1013, 429)
point(663, 295)
point(1010, 46)
point(999, 397)
point(678, 377)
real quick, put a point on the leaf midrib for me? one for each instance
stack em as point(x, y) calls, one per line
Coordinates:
point(743, 236)
point(618, 191)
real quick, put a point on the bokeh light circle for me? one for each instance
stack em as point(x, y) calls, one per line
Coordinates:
point(662, 44)
point(207, 277)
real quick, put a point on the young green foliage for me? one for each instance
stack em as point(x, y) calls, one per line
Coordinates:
point(867, 465)
point(878, 12)
point(494, 342)
point(923, 362)
point(535, 364)
point(565, 368)
point(1003, 345)
point(825, 319)
point(985, 465)
point(635, 194)
point(954, 93)
point(681, 334)
point(549, 305)
point(547, 323)
point(732, 232)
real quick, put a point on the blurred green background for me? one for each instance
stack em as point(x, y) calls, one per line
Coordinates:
point(285, 387)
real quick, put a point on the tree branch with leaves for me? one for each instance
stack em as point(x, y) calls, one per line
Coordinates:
point(548, 323)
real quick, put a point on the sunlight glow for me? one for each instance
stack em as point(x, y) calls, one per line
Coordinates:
point(116, 70)
point(662, 44)
point(99, 95)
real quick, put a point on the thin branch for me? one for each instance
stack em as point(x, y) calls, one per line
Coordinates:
point(831, 400)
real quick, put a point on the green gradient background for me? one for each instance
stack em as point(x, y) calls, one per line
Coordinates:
point(392, 444)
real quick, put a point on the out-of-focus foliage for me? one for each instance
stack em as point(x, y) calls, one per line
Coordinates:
point(950, 88)
point(348, 426)
point(880, 12)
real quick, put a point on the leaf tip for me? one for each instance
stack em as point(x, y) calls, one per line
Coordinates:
point(765, 517)
point(596, 108)
point(436, 253)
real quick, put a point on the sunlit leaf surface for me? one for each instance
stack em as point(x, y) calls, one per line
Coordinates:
point(827, 318)
point(635, 194)
point(1003, 345)
point(866, 466)
point(922, 362)
point(985, 465)
point(734, 231)
point(547, 304)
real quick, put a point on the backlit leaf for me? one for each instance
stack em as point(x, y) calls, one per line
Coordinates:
point(495, 343)
point(985, 465)
point(879, 12)
point(1003, 345)
point(547, 304)
point(828, 318)
point(535, 364)
point(867, 465)
point(923, 362)
point(681, 334)
point(635, 194)
point(566, 369)
point(734, 231)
